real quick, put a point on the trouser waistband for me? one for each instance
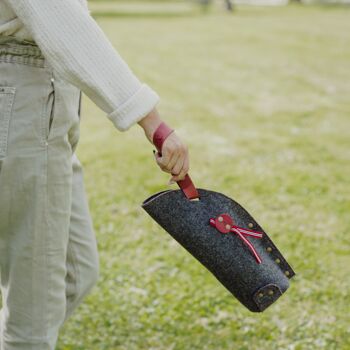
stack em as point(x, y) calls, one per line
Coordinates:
point(14, 50)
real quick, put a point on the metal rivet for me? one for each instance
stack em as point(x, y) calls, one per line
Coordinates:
point(52, 79)
point(260, 295)
point(220, 218)
point(228, 227)
point(269, 249)
point(270, 292)
point(277, 261)
point(250, 225)
point(287, 273)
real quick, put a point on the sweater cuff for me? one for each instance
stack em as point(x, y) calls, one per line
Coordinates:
point(134, 109)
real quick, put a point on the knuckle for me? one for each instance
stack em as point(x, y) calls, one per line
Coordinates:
point(171, 152)
point(167, 148)
point(180, 149)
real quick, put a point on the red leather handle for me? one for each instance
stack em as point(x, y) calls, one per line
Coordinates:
point(186, 185)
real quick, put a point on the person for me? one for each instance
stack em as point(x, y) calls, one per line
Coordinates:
point(50, 52)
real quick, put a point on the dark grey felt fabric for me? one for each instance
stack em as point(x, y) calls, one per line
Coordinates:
point(255, 285)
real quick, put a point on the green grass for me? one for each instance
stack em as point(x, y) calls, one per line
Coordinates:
point(144, 8)
point(262, 99)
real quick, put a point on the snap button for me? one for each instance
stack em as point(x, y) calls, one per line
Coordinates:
point(266, 295)
point(250, 225)
point(269, 249)
point(223, 223)
point(287, 273)
point(277, 261)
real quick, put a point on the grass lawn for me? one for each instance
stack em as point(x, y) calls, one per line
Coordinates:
point(262, 99)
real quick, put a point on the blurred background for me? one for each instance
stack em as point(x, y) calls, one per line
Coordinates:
point(260, 91)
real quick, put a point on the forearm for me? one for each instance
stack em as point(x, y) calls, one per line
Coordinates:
point(150, 123)
point(81, 54)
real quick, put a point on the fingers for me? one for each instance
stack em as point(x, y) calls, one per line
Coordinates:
point(183, 171)
point(163, 161)
point(174, 158)
point(175, 171)
point(171, 151)
point(173, 162)
point(184, 168)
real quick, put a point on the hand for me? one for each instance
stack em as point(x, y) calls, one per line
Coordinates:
point(175, 158)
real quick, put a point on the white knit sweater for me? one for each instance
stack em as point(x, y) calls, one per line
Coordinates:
point(80, 52)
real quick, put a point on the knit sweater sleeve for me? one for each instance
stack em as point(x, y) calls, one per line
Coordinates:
point(80, 52)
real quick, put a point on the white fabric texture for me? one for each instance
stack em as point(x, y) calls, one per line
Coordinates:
point(80, 52)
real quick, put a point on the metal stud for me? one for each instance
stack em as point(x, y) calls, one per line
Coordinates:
point(277, 261)
point(269, 249)
point(220, 218)
point(270, 292)
point(228, 227)
point(260, 295)
point(250, 225)
point(287, 273)
point(52, 80)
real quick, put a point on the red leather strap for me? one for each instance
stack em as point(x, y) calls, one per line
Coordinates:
point(160, 134)
point(186, 185)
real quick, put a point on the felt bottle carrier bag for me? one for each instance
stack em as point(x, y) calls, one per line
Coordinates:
point(223, 237)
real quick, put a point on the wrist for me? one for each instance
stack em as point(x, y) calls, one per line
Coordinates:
point(150, 123)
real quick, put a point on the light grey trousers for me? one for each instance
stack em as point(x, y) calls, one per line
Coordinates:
point(48, 250)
